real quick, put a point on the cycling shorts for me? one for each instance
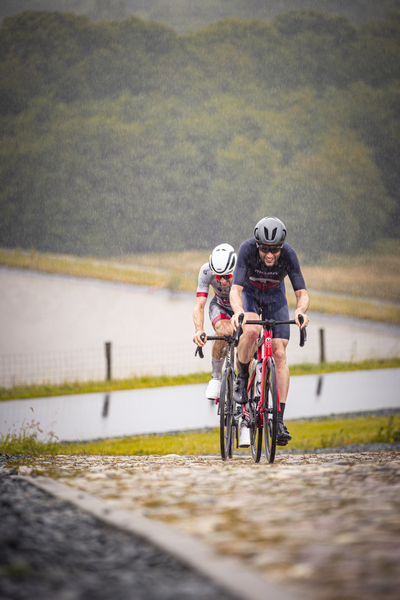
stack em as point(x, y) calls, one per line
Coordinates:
point(218, 312)
point(276, 308)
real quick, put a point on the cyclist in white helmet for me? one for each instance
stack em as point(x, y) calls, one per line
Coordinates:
point(217, 273)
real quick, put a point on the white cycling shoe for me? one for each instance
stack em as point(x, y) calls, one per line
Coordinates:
point(244, 435)
point(213, 389)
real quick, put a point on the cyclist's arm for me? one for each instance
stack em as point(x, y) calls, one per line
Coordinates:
point(302, 305)
point(198, 319)
point(235, 299)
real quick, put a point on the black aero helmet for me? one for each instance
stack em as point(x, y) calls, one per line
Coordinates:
point(270, 231)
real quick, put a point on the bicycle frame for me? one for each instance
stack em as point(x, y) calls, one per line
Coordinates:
point(266, 346)
point(230, 345)
point(265, 410)
point(225, 402)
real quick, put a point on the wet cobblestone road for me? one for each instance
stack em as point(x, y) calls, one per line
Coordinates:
point(322, 526)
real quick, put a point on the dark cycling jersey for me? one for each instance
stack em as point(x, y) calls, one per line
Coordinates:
point(252, 273)
point(264, 287)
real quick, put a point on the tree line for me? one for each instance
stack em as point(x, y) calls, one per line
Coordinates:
point(189, 15)
point(123, 136)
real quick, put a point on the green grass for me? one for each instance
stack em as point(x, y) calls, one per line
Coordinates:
point(337, 367)
point(46, 390)
point(307, 435)
point(66, 389)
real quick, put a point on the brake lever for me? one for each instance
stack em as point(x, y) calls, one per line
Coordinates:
point(199, 349)
point(239, 330)
point(303, 332)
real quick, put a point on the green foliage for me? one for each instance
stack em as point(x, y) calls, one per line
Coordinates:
point(118, 136)
point(29, 440)
point(332, 432)
point(307, 435)
point(389, 432)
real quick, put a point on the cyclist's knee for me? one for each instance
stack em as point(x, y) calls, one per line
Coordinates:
point(223, 327)
point(251, 332)
point(279, 350)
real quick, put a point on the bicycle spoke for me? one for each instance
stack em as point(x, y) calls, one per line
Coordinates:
point(226, 416)
point(256, 432)
point(270, 410)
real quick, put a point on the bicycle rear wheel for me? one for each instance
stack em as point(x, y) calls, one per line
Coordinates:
point(226, 415)
point(256, 433)
point(270, 410)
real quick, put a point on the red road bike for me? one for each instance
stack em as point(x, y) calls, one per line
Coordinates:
point(261, 411)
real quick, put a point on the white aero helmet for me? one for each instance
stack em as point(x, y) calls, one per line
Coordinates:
point(222, 260)
point(270, 231)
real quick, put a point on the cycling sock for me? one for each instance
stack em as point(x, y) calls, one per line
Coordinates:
point(244, 369)
point(280, 415)
point(217, 367)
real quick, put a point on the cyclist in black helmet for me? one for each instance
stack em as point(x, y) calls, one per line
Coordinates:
point(263, 263)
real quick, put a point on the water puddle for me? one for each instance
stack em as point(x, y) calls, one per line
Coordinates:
point(160, 410)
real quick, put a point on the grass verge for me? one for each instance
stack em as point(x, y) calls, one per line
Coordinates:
point(307, 435)
point(46, 390)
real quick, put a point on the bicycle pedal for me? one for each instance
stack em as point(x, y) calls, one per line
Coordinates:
point(282, 443)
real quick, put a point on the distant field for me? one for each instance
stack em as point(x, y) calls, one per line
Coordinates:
point(365, 286)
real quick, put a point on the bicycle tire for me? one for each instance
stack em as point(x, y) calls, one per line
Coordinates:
point(226, 415)
point(270, 410)
point(256, 432)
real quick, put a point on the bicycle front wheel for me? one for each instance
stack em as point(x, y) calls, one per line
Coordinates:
point(256, 432)
point(226, 415)
point(270, 410)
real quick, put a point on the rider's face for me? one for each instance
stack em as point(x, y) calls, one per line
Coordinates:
point(269, 257)
point(224, 280)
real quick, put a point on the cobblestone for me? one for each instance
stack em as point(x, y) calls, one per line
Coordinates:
point(323, 526)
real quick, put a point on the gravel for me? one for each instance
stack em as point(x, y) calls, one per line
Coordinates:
point(51, 550)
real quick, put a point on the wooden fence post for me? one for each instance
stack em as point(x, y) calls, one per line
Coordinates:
point(108, 360)
point(322, 345)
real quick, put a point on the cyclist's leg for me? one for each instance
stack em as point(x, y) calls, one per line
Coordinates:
point(283, 376)
point(279, 346)
point(246, 348)
point(220, 320)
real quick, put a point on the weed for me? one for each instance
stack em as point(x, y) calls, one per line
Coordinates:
point(30, 439)
point(388, 433)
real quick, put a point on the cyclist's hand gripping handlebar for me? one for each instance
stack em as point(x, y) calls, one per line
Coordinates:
point(239, 330)
point(199, 349)
point(303, 332)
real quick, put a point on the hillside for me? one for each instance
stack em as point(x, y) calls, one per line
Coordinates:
point(123, 137)
point(185, 15)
